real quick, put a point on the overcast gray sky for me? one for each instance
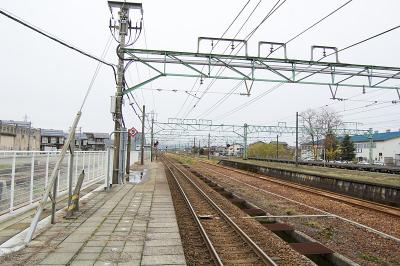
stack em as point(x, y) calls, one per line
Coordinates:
point(46, 82)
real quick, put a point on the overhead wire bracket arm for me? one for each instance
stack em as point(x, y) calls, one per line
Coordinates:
point(335, 49)
point(141, 84)
point(145, 63)
point(221, 39)
point(281, 44)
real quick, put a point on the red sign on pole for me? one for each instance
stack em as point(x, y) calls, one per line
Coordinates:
point(132, 131)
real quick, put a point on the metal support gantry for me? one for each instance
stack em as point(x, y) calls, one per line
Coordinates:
point(185, 130)
point(258, 68)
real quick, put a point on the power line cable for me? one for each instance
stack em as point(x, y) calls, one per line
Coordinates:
point(295, 37)
point(277, 5)
point(230, 25)
point(96, 72)
point(53, 38)
point(340, 50)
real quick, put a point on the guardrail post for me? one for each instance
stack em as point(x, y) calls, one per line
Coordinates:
point(47, 170)
point(12, 185)
point(31, 183)
point(108, 168)
point(88, 168)
point(76, 166)
point(70, 170)
point(54, 197)
point(58, 180)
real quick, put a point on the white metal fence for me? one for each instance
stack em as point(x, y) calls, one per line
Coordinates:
point(24, 174)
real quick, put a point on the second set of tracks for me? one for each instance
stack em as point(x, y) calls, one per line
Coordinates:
point(227, 243)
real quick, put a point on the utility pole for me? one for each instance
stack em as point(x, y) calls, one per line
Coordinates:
point(194, 145)
point(371, 142)
point(152, 138)
point(142, 142)
point(208, 146)
point(245, 142)
point(277, 146)
point(198, 150)
point(117, 100)
point(128, 156)
point(297, 139)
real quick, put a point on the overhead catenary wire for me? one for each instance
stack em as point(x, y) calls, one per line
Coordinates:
point(340, 50)
point(53, 38)
point(290, 40)
point(276, 6)
point(96, 72)
point(212, 48)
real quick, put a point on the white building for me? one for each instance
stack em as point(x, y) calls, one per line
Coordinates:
point(385, 147)
point(235, 150)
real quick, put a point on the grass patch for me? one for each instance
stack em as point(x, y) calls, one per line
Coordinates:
point(327, 232)
point(290, 211)
point(5, 166)
point(371, 258)
point(313, 224)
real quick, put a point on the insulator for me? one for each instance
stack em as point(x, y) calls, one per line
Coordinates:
point(212, 44)
point(233, 46)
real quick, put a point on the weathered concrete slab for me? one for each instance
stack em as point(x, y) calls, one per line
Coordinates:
point(133, 224)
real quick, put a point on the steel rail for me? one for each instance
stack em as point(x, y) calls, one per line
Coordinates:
point(386, 209)
point(261, 254)
point(203, 233)
point(370, 229)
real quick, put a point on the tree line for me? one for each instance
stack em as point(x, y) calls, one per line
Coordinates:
point(320, 127)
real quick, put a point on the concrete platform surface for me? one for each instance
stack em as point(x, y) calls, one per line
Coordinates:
point(133, 224)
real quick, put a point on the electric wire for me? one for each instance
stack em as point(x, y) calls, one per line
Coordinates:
point(223, 34)
point(53, 38)
point(277, 5)
point(96, 72)
point(296, 36)
point(340, 50)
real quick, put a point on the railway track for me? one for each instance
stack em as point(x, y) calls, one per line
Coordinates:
point(390, 210)
point(227, 243)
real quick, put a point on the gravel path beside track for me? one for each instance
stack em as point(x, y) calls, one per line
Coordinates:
point(276, 248)
point(359, 245)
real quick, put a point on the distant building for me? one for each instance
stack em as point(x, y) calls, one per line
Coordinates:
point(385, 147)
point(18, 135)
point(52, 139)
point(81, 141)
point(96, 141)
point(235, 150)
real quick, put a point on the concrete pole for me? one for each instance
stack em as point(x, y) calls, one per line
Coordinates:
point(128, 155)
point(142, 144)
point(245, 142)
point(297, 139)
point(152, 139)
point(371, 142)
point(208, 146)
point(277, 146)
point(123, 18)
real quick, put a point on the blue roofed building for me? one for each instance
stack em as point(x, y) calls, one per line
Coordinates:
point(385, 147)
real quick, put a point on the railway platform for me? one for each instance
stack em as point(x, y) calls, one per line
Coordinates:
point(132, 224)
